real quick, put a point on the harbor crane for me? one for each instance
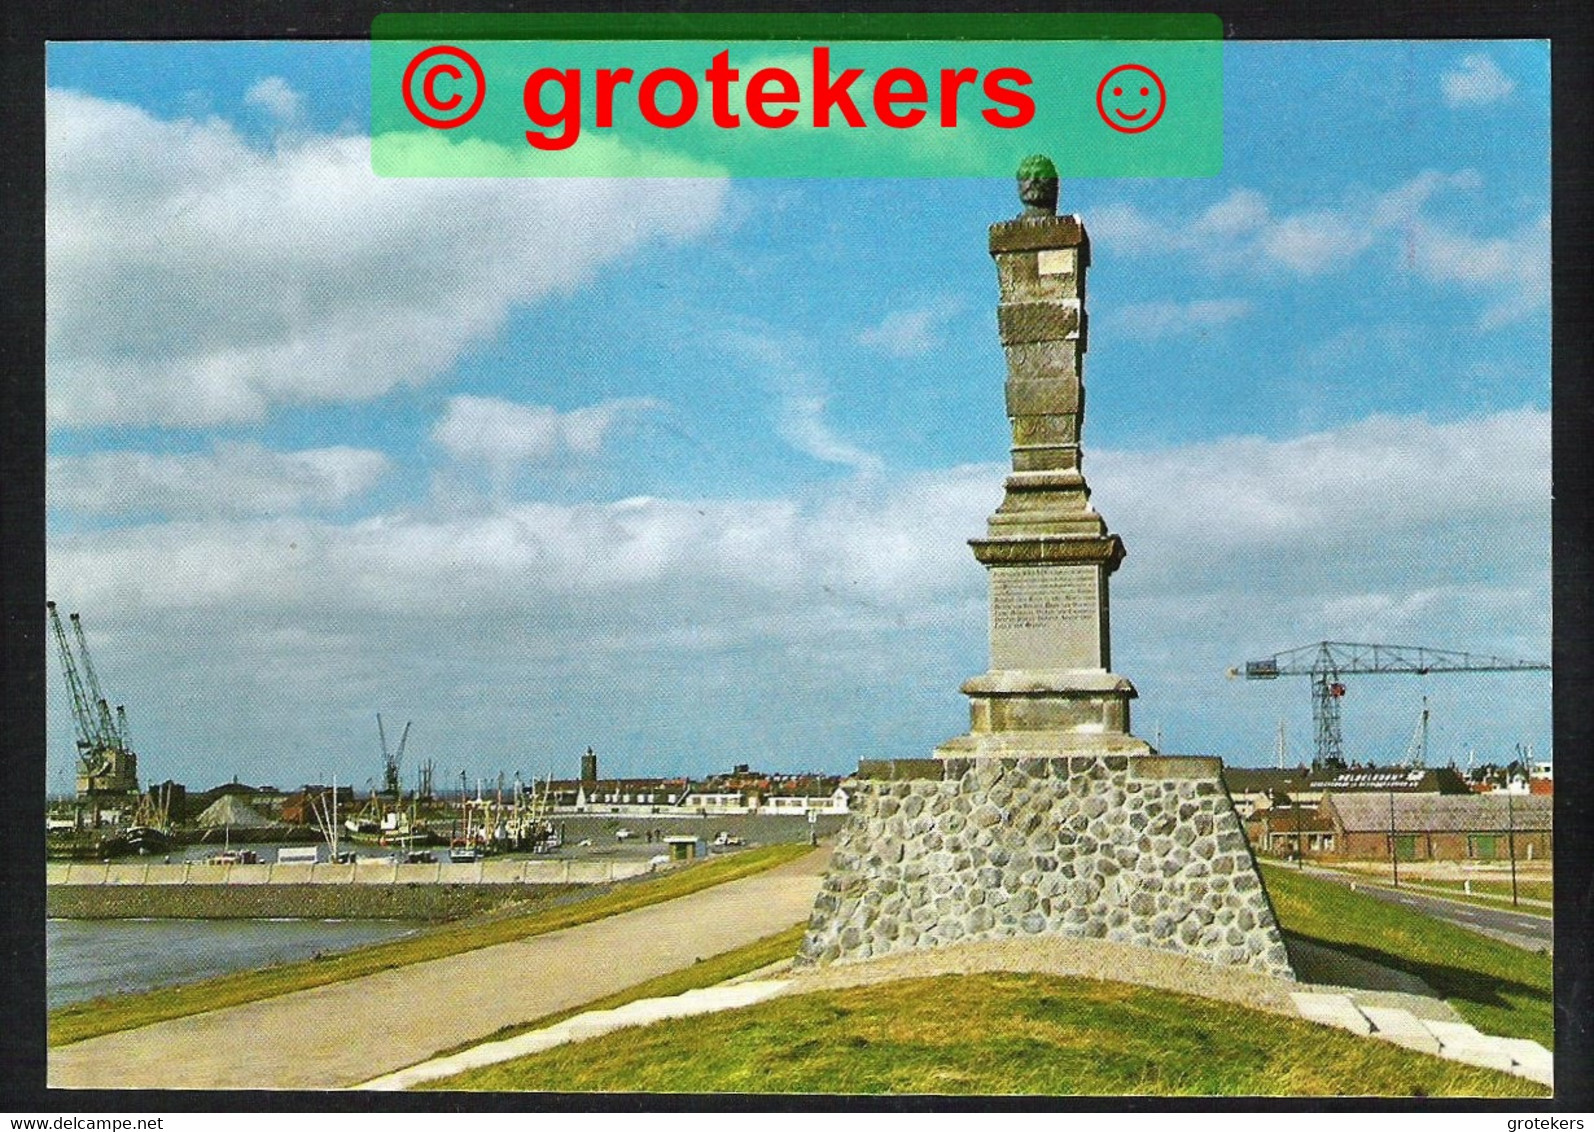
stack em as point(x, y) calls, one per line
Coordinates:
point(105, 758)
point(392, 762)
point(88, 724)
point(1328, 661)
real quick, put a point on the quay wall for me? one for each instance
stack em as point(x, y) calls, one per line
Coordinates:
point(275, 901)
point(490, 871)
point(378, 891)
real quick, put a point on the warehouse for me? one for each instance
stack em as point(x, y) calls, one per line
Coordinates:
point(1475, 827)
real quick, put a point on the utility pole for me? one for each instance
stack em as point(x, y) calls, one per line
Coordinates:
point(1300, 844)
point(1394, 854)
point(1511, 840)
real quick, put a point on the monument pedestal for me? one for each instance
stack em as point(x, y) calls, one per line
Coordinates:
point(1048, 816)
point(1141, 850)
point(1023, 712)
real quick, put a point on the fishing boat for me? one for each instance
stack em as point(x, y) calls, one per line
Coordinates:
point(150, 831)
point(147, 839)
point(88, 845)
point(382, 822)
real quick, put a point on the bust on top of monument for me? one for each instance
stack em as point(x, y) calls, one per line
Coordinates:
point(1038, 185)
point(1039, 225)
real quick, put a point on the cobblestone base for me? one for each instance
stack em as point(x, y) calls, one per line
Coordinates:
point(1140, 850)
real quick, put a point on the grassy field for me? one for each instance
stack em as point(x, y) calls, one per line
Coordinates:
point(993, 1033)
point(123, 1012)
point(1500, 989)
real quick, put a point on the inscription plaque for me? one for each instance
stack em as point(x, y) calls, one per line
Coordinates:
point(1055, 261)
point(1046, 617)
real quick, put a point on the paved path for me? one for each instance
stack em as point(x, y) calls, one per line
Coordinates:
point(1527, 930)
point(339, 1035)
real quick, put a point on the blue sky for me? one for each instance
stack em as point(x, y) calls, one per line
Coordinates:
point(684, 471)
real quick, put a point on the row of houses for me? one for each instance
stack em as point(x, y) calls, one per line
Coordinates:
point(741, 791)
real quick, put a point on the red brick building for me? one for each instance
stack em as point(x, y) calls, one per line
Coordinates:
point(1283, 830)
point(1468, 827)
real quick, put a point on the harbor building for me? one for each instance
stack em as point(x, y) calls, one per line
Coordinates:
point(1472, 827)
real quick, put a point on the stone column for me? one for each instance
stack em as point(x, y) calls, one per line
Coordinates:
point(1050, 687)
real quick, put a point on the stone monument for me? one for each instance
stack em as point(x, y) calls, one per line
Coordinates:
point(1048, 816)
point(1050, 688)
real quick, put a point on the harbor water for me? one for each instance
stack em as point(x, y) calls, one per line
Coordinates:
point(89, 958)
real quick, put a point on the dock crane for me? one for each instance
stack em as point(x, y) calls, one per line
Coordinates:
point(392, 762)
point(105, 758)
point(88, 729)
point(1328, 661)
point(109, 735)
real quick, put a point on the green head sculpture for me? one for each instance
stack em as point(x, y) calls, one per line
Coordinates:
point(1037, 185)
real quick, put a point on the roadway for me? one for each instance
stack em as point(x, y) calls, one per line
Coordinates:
point(1524, 929)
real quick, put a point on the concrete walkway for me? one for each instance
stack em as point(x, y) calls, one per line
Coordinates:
point(1455, 1041)
point(346, 1033)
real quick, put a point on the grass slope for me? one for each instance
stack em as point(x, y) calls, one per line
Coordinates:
point(124, 1012)
point(997, 1033)
point(1500, 989)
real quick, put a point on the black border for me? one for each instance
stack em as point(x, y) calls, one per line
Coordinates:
point(1566, 23)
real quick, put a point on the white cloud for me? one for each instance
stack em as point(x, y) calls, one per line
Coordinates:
point(504, 434)
point(1512, 271)
point(804, 630)
point(1475, 81)
point(909, 333)
point(1167, 319)
point(801, 423)
point(194, 279)
point(1309, 243)
point(1386, 502)
point(232, 479)
point(273, 95)
point(1402, 205)
point(800, 397)
point(1241, 234)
